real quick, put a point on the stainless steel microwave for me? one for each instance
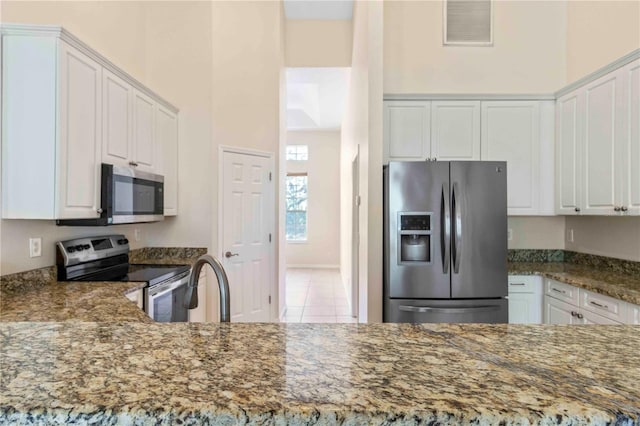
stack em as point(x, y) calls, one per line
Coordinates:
point(127, 196)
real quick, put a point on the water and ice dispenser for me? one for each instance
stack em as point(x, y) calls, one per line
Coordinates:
point(414, 234)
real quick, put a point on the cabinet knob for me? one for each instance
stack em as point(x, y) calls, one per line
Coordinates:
point(577, 209)
point(617, 209)
point(574, 313)
point(624, 208)
point(99, 211)
point(580, 316)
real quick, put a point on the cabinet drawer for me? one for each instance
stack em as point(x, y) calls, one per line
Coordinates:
point(562, 291)
point(603, 305)
point(525, 284)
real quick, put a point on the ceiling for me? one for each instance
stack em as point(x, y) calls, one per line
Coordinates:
point(318, 9)
point(316, 97)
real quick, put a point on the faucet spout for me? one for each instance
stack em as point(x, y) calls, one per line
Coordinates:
point(191, 299)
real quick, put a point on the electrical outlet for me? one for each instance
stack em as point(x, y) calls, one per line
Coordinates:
point(137, 234)
point(510, 234)
point(570, 235)
point(35, 247)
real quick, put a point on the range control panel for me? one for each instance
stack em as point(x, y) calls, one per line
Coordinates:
point(80, 250)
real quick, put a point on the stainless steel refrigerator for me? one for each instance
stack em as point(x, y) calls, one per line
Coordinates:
point(445, 242)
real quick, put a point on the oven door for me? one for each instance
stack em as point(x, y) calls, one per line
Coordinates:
point(132, 196)
point(165, 302)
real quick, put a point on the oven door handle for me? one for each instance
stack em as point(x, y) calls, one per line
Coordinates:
point(160, 289)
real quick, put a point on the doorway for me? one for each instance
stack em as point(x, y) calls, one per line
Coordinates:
point(246, 223)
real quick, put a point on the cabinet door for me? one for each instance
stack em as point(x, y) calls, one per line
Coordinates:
point(602, 99)
point(455, 130)
point(166, 130)
point(510, 132)
point(407, 130)
point(557, 312)
point(116, 120)
point(591, 318)
point(524, 308)
point(144, 147)
point(568, 153)
point(630, 154)
point(633, 314)
point(79, 144)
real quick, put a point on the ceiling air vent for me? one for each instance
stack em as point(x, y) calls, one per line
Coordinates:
point(468, 22)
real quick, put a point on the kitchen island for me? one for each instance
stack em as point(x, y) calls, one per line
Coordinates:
point(140, 373)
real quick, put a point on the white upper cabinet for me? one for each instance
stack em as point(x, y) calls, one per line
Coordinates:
point(455, 130)
point(144, 142)
point(407, 130)
point(598, 145)
point(568, 153)
point(512, 132)
point(117, 96)
point(602, 99)
point(167, 142)
point(65, 110)
point(630, 151)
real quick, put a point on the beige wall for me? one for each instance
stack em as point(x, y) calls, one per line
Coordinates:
point(528, 55)
point(362, 129)
point(318, 43)
point(536, 232)
point(322, 247)
point(605, 236)
point(599, 32)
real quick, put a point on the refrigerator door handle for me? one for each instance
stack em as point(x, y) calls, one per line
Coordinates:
point(457, 227)
point(449, 310)
point(445, 224)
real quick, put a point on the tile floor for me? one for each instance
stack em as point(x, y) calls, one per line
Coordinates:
point(316, 295)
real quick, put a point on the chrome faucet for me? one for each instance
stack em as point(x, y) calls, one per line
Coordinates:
point(223, 285)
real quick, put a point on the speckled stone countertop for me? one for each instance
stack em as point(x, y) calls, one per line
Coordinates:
point(166, 255)
point(321, 374)
point(615, 284)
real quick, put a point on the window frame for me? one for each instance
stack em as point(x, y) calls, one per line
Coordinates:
point(306, 212)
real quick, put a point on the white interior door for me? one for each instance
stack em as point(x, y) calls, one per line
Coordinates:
point(355, 235)
point(247, 234)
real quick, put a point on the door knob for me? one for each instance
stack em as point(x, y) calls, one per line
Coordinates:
point(229, 254)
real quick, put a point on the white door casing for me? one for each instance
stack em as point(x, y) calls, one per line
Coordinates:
point(246, 230)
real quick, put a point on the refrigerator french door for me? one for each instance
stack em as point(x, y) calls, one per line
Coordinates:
point(445, 242)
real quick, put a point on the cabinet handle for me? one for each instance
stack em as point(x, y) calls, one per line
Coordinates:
point(598, 305)
point(559, 291)
point(577, 209)
point(516, 283)
point(624, 208)
point(580, 316)
point(133, 164)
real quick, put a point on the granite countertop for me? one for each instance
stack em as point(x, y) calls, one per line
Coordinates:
point(615, 284)
point(318, 374)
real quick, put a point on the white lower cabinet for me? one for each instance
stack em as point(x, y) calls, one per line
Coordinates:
point(199, 314)
point(566, 304)
point(136, 297)
point(633, 314)
point(525, 299)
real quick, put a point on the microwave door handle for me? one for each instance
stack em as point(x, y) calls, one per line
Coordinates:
point(445, 224)
point(457, 227)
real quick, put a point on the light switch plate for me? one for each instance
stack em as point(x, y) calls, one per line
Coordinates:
point(510, 234)
point(35, 247)
point(570, 235)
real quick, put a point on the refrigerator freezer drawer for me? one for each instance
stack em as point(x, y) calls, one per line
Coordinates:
point(490, 311)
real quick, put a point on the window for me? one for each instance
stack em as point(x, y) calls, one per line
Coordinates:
point(296, 228)
point(297, 152)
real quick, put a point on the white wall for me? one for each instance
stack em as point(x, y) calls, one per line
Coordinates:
point(318, 43)
point(606, 236)
point(536, 232)
point(322, 247)
point(599, 32)
point(362, 127)
point(528, 54)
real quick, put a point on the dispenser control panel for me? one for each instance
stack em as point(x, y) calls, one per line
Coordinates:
point(414, 235)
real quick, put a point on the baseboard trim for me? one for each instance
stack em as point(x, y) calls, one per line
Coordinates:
point(314, 266)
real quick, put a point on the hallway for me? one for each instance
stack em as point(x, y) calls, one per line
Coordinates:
point(316, 295)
